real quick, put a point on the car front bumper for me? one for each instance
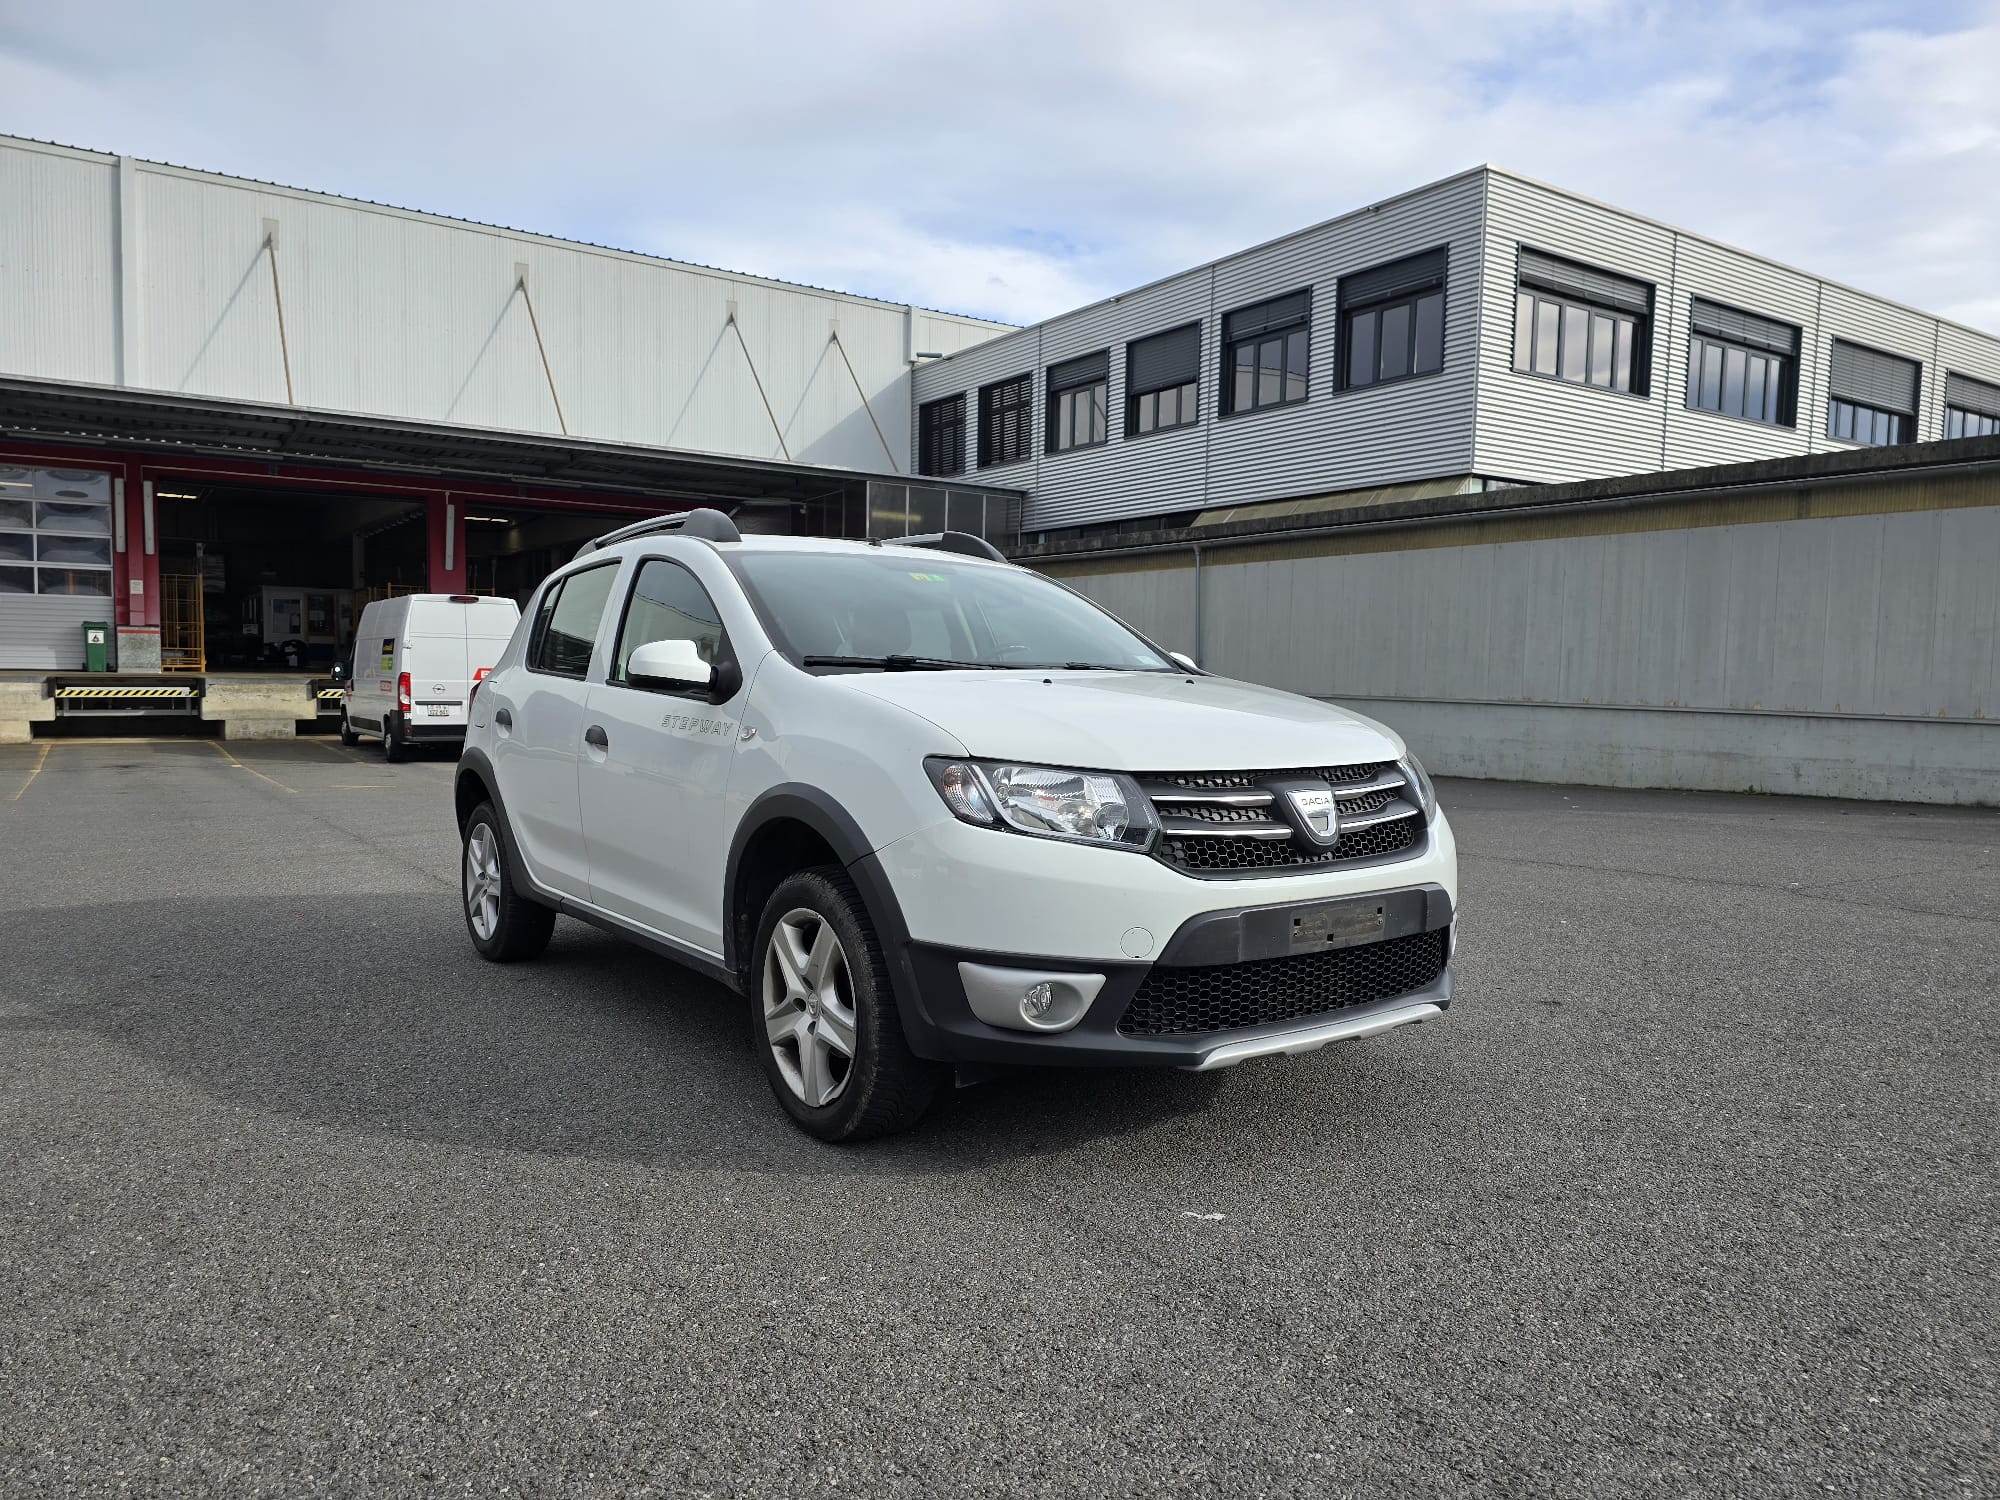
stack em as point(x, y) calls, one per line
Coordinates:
point(975, 905)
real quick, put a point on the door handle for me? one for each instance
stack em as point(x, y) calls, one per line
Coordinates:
point(595, 735)
point(503, 718)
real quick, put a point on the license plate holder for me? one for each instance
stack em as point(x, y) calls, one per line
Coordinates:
point(1339, 924)
point(438, 710)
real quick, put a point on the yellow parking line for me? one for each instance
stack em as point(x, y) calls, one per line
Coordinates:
point(216, 745)
point(40, 761)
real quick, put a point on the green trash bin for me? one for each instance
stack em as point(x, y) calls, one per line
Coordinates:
point(96, 646)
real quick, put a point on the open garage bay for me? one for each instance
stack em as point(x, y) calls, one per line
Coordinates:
point(1692, 1192)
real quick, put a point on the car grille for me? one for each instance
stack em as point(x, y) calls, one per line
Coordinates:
point(1227, 997)
point(1226, 823)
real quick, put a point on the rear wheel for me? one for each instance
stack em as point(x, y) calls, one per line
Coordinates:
point(393, 747)
point(827, 1029)
point(505, 925)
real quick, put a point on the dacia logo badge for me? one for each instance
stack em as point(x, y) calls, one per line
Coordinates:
point(1314, 813)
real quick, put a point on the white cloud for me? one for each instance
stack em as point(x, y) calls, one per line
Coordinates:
point(1018, 160)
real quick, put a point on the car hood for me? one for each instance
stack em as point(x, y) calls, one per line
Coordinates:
point(1132, 721)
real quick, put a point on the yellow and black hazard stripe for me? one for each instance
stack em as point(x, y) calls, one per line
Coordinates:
point(326, 693)
point(124, 692)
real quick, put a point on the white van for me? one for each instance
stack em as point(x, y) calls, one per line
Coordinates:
point(415, 660)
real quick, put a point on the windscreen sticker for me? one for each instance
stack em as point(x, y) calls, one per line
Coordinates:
point(928, 577)
point(389, 653)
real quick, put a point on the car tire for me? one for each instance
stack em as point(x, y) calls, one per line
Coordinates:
point(394, 749)
point(347, 735)
point(514, 927)
point(824, 1017)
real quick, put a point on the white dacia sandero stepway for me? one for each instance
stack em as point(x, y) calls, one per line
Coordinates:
point(929, 811)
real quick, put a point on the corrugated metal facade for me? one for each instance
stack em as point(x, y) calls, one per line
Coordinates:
point(1334, 440)
point(157, 277)
point(1479, 415)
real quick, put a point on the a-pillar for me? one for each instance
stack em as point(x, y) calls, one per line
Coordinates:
point(445, 522)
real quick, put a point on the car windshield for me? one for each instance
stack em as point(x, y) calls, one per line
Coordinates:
point(902, 608)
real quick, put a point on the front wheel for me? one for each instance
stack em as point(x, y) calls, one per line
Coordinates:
point(827, 1029)
point(505, 925)
point(347, 735)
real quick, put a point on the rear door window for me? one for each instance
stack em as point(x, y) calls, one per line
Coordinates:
point(567, 623)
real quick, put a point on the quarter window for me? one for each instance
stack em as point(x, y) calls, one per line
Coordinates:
point(668, 604)
point(1267, 353)
point(1003, 421)
point(1078, 392)
point(566, 624)
point(1392, 321)
point(941, 436)
point(1580, 324)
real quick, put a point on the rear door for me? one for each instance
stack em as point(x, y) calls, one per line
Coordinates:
point(436, 662)
point(539, 714)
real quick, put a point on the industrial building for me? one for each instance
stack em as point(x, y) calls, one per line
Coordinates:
point(1559, 491)
point(1483, 332)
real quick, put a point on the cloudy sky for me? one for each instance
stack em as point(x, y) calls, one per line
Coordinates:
point(1018, 159)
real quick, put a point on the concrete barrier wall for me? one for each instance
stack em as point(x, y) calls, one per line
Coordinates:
point(1850, 654)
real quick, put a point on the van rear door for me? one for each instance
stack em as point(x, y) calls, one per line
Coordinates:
point(435, 659)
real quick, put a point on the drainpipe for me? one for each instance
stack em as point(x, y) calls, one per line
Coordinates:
point(1200, 645)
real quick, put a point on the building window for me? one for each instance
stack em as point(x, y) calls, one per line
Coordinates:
point(1267, 353)
point(1742, 365)
point(1576, 323)
point(941, 436)
point(1971, 407)
point(1392, 321)
point(55, 532)
point(1163, 381)
point(1079, 393)
point(1003, 421)
point(1871, 396)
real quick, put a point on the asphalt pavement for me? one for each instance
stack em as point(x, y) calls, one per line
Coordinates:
point(1692, 1193)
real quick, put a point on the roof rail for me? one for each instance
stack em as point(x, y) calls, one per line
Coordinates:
point(710, 525)
point(963, 542)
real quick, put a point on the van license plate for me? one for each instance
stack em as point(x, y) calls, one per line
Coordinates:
point(437, 710)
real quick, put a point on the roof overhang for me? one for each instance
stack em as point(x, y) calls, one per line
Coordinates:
point(165, 422)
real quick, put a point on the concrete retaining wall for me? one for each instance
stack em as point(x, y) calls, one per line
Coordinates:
point(1833, 638)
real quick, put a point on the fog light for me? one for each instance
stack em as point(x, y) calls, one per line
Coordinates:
point(1028, 999)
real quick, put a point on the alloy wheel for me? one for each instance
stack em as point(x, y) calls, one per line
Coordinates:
point(809, 1006)
point(482, 882)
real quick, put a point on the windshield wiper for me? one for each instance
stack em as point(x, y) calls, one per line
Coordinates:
point(896, 663)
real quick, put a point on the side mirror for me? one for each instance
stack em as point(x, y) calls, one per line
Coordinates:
point(1183, 660)
point(668, 664)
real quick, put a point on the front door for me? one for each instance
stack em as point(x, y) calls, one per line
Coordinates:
point(652, 790)
point(538, 714)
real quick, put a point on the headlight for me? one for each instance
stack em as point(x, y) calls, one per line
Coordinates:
point(1085, 807)
point(1425, 795)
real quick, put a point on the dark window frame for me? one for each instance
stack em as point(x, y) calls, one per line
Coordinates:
point(1710, 328)
point(1056, 397)
point(1187, 393)
point(1972, 404)
point(545, 611)
point(1575, 289)
point(1376, 306)
point(1283, 334)
point(931, 427)
point(990, 414)
point(1901, 424)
